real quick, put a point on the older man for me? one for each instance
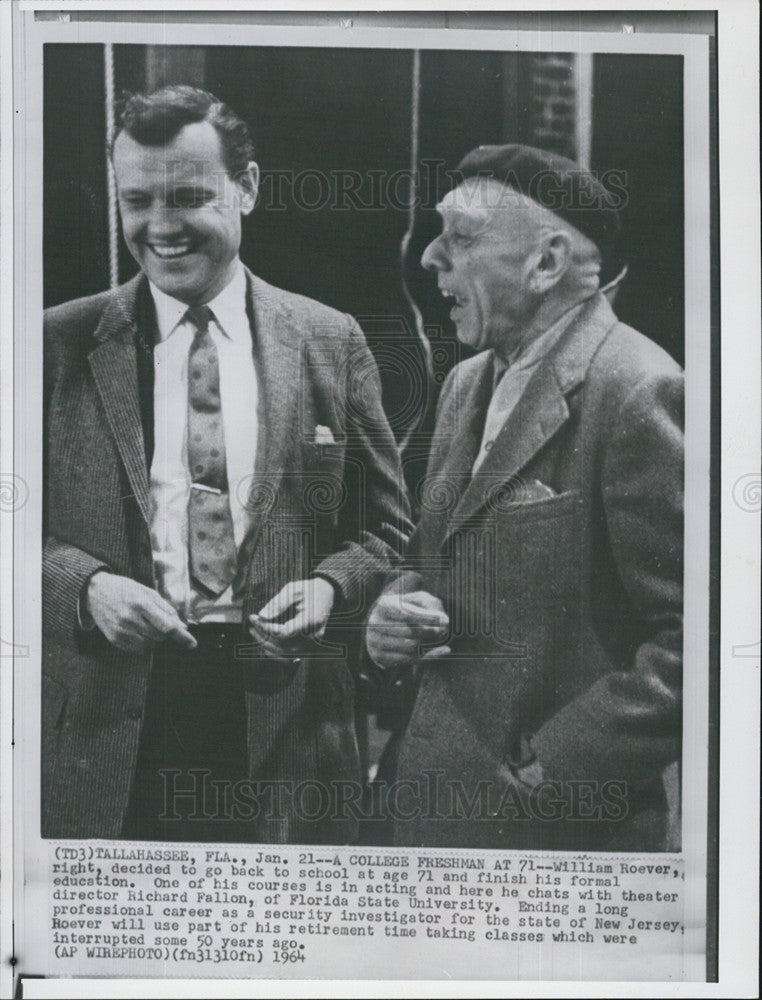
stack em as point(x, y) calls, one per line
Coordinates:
point(541, 610)
point(223, 498)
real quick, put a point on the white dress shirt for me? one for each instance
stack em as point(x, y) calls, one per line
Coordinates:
point(511, 378)
point(170, 476)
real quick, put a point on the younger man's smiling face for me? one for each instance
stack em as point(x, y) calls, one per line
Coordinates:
point(181, 211)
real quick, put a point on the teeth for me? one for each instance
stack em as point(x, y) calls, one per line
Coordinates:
point(166, 253)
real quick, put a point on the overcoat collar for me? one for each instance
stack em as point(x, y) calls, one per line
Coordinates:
point(541, 412)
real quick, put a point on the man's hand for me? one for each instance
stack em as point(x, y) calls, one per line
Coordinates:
point(298, 612)
point(131, 616)
point(400, 624)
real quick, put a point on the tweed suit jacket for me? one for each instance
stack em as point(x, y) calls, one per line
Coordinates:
point(565, 606)
point(331, 507)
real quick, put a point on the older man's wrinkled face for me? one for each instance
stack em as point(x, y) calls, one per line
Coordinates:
point(482, 259)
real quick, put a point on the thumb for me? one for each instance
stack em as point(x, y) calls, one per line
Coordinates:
point(437, 653)
point(422, 599)
point(282, 601)
point(426, 607)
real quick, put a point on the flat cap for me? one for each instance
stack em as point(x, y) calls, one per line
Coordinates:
point(560, 185)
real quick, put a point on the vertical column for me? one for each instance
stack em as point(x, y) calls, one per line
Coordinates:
point(582, 66)
point(554, 102)
point(175, 64)
point(113, 215)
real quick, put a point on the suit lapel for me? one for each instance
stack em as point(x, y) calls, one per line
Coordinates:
point(542, 409)
point(276, 352)
point(276, 356)
point(114, 366)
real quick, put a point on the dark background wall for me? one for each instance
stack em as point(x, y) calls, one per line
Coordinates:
point(319, 114)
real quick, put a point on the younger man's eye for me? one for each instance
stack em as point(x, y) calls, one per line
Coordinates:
point(189, 199)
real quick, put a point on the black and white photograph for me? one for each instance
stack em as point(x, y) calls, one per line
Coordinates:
point(368, 415)
point(222, 619)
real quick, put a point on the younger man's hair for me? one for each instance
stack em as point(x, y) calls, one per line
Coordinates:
point(155, 119)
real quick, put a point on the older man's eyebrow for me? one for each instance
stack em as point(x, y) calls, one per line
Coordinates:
point(472, 220)
point(451, 210)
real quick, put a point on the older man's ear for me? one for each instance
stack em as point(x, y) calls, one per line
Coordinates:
point(553, 259)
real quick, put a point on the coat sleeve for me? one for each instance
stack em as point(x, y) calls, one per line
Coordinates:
point(626, 726)
point(374, 526)
point(406, 579)
point(65, 571)
point(65, 568)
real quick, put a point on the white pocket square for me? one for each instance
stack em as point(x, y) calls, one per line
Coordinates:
point(533, 489)
point(324, 435)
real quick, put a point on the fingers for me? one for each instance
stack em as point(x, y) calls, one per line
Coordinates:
point(401, 624)
point(393, 610)
point(265, 646)
point(410, 644)
point(422, 599)
point(272, 637)
point(437, 653)
point(391, 661)
point(283, 601)
point(418, 610)
point(395, 651)
point(164, 622)
point(298, 625)
point(278, 648)
point(309, 603)
point(133, 636)
point(412, 631)
point(132, 616)
point(403, 654)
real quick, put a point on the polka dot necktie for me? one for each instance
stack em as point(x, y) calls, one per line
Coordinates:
point(211, 544)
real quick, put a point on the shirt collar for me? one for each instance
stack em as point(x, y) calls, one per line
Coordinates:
point(229, 308)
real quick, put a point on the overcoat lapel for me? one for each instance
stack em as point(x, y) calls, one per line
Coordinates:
point(541, 411)
point(456, 444)
point(115, 371)
point(459, 433)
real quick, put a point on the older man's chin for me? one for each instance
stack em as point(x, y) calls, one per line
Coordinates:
point(471, 338)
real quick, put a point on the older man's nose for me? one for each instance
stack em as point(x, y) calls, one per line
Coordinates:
point(433, 258)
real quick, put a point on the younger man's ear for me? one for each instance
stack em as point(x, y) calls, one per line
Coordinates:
point(248, 182)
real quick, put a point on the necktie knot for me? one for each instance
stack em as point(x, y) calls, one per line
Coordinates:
point(200, 317)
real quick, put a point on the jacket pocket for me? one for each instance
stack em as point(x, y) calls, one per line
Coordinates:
point(539, 548)
point(561, 505)
point(324, 492)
